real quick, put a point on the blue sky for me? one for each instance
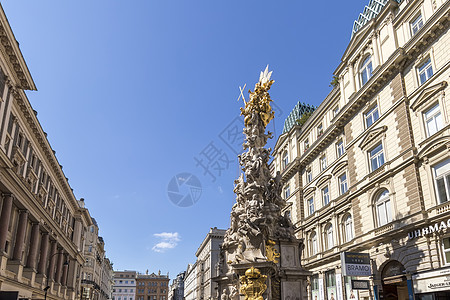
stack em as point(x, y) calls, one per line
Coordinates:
point(131, 92)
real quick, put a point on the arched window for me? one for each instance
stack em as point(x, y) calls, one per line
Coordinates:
point(313, 243)
point(347, 228)
point(365, 70)
point(285, 159)
point(383, 208)
point(329, 243)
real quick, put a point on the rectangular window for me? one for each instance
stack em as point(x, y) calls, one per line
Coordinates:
point(319, 130)
point(335, 111)
point(416, 24)
point(446, 248)
point(376, 157)
point(442, 180)
point(343, 183)
point(306, 144)
point(340, 148)
point(287, 191)
point(433, 120)
point(308, 176)
point(323, 162)
point(371, 116)
point(311, 205)
point(315, 287)
point(325, 196)
point(425, 71)
point(330, 280)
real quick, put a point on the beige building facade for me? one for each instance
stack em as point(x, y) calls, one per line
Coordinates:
point(42, 224)
point(369, 172)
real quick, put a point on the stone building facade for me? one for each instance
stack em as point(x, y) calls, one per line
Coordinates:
point(191, 283)
point(152, 286)
point(97, 276)
point(176, 290)
point(124, 285)
point(369, 171)
point(42, 224)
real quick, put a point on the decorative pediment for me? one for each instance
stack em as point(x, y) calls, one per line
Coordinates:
point(309, 190)
point(428, 149)
point(371, 136)
point(323, 180)
point(427, 93)
point(339, 167)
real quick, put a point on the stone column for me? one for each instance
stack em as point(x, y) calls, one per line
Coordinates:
point(59, 267)
point(72, 276)
point(376, 56)
point(34, 243)
point(77, 234)
point(64, 274)
point(351, 73)
point(4, 220)
point(20, 235)
point(44, 254)
point(51, 268)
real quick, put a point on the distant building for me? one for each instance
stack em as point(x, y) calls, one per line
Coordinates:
point(97, 273)
point(152, 287)
point(124, 285)
point(176, 290)
point(190, 282)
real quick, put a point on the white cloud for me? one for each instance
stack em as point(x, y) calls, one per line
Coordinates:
point(168, 240)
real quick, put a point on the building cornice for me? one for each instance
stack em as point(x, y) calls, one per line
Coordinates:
point(10, 50)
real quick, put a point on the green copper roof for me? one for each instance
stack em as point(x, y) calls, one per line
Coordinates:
point(371, 10)
point(296, 113)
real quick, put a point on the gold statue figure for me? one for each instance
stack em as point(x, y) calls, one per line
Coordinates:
point(271, 253)
point(260, 100)
point(253, 284)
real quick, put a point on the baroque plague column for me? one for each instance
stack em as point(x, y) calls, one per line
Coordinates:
point(260, 256)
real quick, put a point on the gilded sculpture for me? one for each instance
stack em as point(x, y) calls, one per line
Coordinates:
point(253, 284)
point(271, 253)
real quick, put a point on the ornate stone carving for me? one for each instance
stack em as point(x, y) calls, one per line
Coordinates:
point(256, 216)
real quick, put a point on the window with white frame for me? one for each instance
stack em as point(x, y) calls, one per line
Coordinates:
point(366, 70)
point(319, 130)
point(340, 148)
point(306, 143)
point(315, 287)
point(343, 187)
point(323, 162)
point(383, 208)
point(310, 203)
point(433, 120)
point(425, 71)
point(287, 191)
point(441, 174)
point(285, 159)
point(308, 176)
point(335, 111)
point(347, 226)
point(329, 243)
point(376, 157)
point(416, 24)
point(446, 249)
point(325, 196)
point(313, 243)
point(371, 116)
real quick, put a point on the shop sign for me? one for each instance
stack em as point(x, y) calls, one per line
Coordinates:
point(360, 284)
point(428, 282)
point(355, 264)
point(430, 229)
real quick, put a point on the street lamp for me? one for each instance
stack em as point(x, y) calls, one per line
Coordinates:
point(66, 263)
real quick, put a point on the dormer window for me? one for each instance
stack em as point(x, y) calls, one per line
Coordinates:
point(366, 70)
